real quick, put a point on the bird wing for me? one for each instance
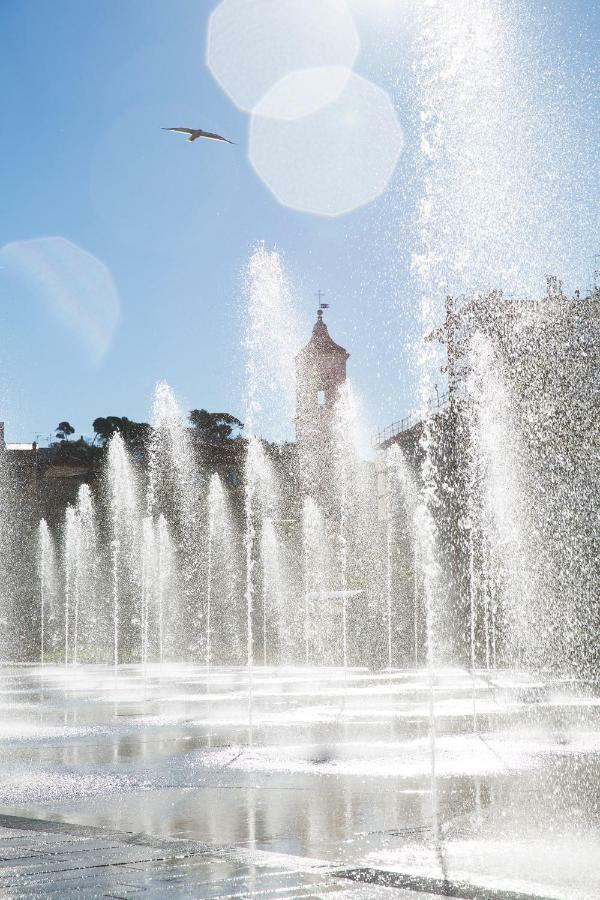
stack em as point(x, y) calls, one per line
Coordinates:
point(181, 130)
point(214, 137)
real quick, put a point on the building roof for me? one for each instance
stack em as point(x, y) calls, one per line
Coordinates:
point(22, 446)
point(321, 341)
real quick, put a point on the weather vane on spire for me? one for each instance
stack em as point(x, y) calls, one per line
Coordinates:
point(322, 306)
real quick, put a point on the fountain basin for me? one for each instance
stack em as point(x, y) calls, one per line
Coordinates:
point(338, 767)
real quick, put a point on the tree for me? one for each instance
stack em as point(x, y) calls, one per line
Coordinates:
point(214, 428)
point(63, 430)
point(76, 453)
point(136, 435)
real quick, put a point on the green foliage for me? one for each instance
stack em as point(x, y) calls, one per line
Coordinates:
point(64, 430)
point(72, 453)
point(214, 428)
point(136, 435)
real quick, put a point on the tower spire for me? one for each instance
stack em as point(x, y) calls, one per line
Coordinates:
point(319, 294)
point(320, 372)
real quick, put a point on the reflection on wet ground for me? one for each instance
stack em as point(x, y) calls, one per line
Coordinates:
point(337, 767)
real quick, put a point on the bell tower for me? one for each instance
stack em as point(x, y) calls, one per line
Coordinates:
point(320, 372)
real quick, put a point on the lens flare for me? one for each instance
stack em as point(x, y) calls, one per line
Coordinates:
point(252, 44)
point(303, 92)
point(331, 161)
point(74, 284)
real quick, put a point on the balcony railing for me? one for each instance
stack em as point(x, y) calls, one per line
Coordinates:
point(435, 407)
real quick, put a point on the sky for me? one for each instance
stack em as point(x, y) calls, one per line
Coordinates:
point(124, 247)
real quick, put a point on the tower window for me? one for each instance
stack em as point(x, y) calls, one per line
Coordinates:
point(321, 398)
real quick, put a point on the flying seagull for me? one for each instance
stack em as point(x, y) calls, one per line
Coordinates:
point(195, 133)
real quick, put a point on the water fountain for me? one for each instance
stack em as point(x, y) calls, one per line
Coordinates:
point(123, 507)
point(149, 582)
point(254, 588)
point(317, 577)
point(174, 491)
point(71, 610)
point(223, 583)
point(164, 583)
point(409, 626)
point(48, 583)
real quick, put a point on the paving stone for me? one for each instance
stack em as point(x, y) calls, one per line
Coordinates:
point(43, 859)
point(65, 861)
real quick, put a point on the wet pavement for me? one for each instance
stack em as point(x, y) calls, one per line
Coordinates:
point(40, 858)
point(331, 791)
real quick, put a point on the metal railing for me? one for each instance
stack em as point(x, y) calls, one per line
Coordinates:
point(391, 431)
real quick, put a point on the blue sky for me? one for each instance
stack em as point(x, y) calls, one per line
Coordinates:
point(86, 87)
